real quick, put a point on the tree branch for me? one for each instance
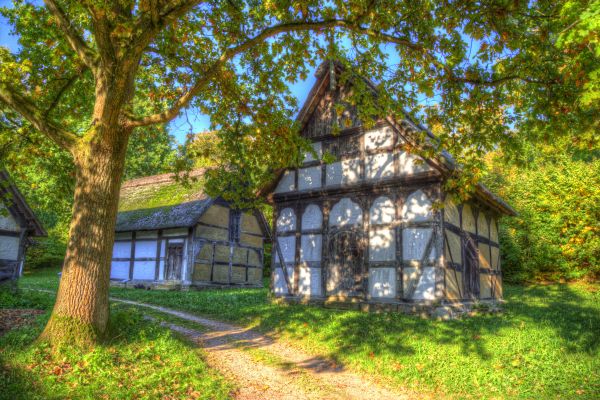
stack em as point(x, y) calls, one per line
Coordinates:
point(85, 53)
point(298, 26)
point(185, 99)
point(36, 117)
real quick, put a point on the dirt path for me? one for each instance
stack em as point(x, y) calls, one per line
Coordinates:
point(264, 368)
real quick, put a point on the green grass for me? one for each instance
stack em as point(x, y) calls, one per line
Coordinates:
point(138, 360)
point(546, 344)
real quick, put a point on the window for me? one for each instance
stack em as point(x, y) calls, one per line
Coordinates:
point(234, 225)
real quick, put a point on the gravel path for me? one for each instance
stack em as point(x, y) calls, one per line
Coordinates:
point(264, 368)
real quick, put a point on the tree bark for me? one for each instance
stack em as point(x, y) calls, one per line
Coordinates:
point(80, 314)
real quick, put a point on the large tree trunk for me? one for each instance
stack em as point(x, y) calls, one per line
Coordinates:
point(80, 314)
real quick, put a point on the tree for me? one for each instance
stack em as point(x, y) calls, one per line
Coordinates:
point(84, 68)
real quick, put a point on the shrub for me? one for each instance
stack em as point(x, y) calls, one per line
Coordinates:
point(557, 232)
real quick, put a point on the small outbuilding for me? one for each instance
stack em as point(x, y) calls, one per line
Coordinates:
point(18, 224)
point(174, 235)
point(368, 229)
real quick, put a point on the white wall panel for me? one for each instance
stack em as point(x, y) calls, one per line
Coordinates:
point(309, 281)
point(343, 172)
point(344, 213)
point(382, 245)
point(286, 183)
point(286, 221)
point(9, 247)
point(119, 270)
point(122, 250)
point(379, 138)
point(145, 249)
point(144, 270)
point(414, 242)
point(382, 211)
point(279, 278)
point(309, 178)
point(312, 218)
point(287, 244)
point(382, 282)
point(417, 208)
point(411, 164)
point(161, 270)
point(379, 166)
point(425, 289)
point(310, 248)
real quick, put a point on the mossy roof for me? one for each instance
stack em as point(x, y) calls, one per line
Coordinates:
point(161, 202)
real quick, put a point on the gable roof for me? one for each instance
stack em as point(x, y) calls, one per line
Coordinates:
point(445, 163)
point(14, 201)
point(160, 202)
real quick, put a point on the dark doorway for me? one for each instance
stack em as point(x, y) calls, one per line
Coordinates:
point(471, 274)
point(174, 261)
point(345, 270)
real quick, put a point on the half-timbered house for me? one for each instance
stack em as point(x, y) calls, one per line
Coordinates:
point(17, 225)
point(171, 235)
point(364, 228)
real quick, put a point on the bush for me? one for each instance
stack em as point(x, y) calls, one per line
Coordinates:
point(46, 252)
point(557, 232)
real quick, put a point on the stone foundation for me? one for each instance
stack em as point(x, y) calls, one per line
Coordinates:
point(442, 310)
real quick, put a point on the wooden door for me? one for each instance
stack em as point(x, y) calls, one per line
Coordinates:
point(345, 270)
point(471, 263)
point(174, 261)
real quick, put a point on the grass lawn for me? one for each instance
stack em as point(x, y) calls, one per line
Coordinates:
point(546, 344)
point(138, 360)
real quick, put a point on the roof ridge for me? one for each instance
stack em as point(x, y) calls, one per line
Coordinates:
point(159, 178)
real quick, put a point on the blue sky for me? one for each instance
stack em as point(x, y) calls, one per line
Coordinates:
point(190, 121)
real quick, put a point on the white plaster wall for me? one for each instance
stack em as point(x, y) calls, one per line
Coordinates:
point(312, 218)
point(286, 183)
point(343, 172)
point(382, 245)
point(280, 288)
point(309, 281)
point(144, 270)
point(145, 249)
point(309, 178)
point(7, 221)
point(414, 242)
point(310, 247)
point(382, 282)
point(425, 288)
point(119, 270)
point(417, 208)
point(344, 213)
point(286, 221)
point(379, 138)
point(382, 211)
point(122, 250)
point(161, 270)
point(379, 166)
point(411, 164)
point(318, 148)
point(287, 244)
point(9, 247)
